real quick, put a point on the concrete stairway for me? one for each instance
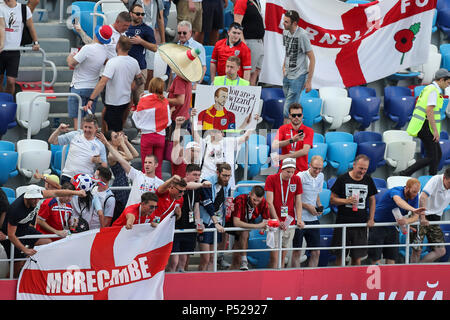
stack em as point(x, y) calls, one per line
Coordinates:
point(56, 39)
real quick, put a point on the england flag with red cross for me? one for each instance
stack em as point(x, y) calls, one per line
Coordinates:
point(102, 264)
point(353, 44)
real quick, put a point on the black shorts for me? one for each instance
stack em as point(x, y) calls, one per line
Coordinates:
point(9, 62)
point(312, 236)
point(382, 236)
point(26, 242)
point(212, 15)
point(184, 242)
point(114, 116)
point(354, 237)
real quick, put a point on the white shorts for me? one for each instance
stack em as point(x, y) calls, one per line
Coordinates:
point(256, 47)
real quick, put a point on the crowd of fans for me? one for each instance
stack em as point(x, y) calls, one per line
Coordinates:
point(199, 194)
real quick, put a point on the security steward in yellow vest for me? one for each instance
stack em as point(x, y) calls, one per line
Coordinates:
point(426, 123)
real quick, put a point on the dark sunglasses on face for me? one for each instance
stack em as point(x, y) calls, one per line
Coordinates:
point(139, 13)
point(295, 115)
point(152, 207)
point(182, 32)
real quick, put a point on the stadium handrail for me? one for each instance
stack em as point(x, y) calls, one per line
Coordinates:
point(215, 252)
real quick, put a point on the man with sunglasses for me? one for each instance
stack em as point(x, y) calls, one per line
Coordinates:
point(294, 138)
point(297, 73)
point(312, 184)
point(170, 198)
point(138, 213)
point(232, 46)
point(142, 39)
point(185, 39)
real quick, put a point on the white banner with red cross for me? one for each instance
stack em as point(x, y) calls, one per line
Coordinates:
point(102, 264)
point(353, 44)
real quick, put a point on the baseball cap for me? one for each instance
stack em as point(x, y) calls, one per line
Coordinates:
point(192, 144)
point(289, 163)
point(52, 177)
point(103, 34)
point(442, 73)
point(33, 192)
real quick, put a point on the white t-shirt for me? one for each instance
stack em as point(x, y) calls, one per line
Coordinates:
point(121, 71)
point(91, 59)
point(311, 189)
point(80, 153)
point(438, 195)
point(111, 46)
point(214, 153)
point(141, 184)
point(13, 24)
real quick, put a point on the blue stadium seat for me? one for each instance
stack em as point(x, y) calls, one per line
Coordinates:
point(445, 159)
point(8, 164)
point(338, 136)
point(398, 105)
point(6, 97)
point(326, 236)
point(56, 158)
point(318, 149)
point(375, 151)
point(257, 241)
point(423, 181)
point(318, 138)
point(365, 106)
point(243, 190)
point(257, 155)
point(7, 116)
point(272, 112)
point(446, 230)
point(325, 201)
point(443, 21)
point(330, 182)
point(380, 183)
point(402, 240)
point(7, 146)
point(444, 49)
point(341, 155)
point(367, 136)
point(209, 50)
point(207, 77)
point(312, 108)
point(417, 91)
point(10, 194)
point(83, 10)
point(434, 26)
point(444, 135)
point(272, 93)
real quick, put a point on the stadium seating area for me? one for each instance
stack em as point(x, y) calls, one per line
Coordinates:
point(368, 119)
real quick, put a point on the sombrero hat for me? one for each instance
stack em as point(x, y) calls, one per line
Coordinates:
point(183, 60)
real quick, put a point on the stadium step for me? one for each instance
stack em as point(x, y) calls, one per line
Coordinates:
point(29, 59)
point(35, 74)
point(54, 29)
point(55, 44)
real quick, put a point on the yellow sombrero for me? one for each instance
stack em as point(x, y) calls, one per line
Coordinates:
point(183, 60)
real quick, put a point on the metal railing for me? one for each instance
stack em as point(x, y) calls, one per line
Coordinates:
point(96, 14)
point(69, 94)
point(279, 249)
point(45, 62)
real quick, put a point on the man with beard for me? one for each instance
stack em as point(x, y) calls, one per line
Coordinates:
point(214, 218)
point(393, 206)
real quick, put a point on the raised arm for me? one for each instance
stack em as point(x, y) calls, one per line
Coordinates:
point(116, 154)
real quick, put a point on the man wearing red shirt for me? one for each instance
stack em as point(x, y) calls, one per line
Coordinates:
point(170, 198)
point(233, 46)
point(283, 194)
point(247, 208)
point(294, 138)
point(54, 215)
point(138, 213)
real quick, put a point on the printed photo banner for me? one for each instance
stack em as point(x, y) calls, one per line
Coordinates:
point(353, 44)
point(102, 264)
point(227, 107)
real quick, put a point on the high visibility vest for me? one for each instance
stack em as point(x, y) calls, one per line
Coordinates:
point(420, 114)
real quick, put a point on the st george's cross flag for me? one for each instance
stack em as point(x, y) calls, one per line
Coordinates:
point(102, 264)
point(152, 114)
point(353, 44)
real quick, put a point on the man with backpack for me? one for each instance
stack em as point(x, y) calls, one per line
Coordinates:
point(19, 31)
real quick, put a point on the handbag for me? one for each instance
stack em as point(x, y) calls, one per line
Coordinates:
point(26, 35)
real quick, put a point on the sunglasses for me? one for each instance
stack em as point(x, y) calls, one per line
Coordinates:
point(296, 115)
point(152, 207)
point(139, 14)
point(179, 191)
point(182, 32)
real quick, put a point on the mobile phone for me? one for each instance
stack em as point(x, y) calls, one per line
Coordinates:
point(300, 131)
point(319, 209)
